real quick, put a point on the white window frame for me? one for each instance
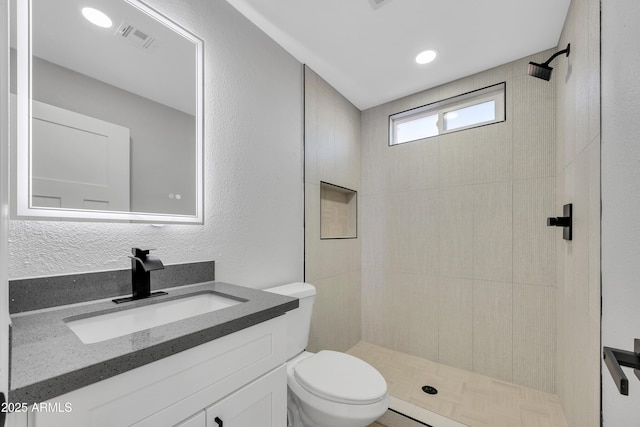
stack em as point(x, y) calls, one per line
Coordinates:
point(496, 93)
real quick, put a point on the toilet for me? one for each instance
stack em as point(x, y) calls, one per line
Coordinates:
point(328, 388)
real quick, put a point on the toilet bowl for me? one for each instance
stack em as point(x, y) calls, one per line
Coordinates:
point(328, 388)
point(334, 389)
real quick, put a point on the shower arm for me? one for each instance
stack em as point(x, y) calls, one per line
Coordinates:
point(567, 51)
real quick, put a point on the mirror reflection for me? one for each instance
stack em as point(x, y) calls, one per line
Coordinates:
point(115, 110)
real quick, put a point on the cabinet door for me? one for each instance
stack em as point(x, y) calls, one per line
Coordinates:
point(262, 402)
point(197, 420)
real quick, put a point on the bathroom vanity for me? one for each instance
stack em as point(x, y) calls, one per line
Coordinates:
point(224, 367)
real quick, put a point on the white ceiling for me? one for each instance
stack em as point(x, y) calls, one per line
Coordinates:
point(368, 54)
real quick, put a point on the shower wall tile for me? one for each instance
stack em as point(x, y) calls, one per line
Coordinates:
point(492, 153)
point(456, 159)
point(414, 308)
point(492, 232)
point(332, 154)
point(534, 336)
point(455, 338)
point(375, 324)
point(333, 325)
point(533, 128)
point(311, 145)
point(595, 292)
point(534, 260)
point(492, 329)
point(325, 136)
point(456, 231)
point(450, 223)
point(423, 166)
point(372, 230)
point(412, 232)
point(373, 176)
point(495, 75)
point(594, 64)
point(396, 167)
point(579, 250)
point(312, 268)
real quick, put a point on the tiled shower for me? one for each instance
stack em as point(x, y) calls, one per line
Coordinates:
point(454, 262)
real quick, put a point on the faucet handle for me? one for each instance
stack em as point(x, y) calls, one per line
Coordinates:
point(140, 253)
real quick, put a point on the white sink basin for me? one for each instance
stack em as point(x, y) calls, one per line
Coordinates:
point(116, 324)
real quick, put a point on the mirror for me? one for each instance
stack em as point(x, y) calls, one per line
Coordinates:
point(109, 114)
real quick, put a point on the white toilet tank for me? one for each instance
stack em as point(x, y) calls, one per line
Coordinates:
point(298, 320)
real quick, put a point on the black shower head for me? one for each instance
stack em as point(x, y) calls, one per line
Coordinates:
point(540, 71)
point(543, 71)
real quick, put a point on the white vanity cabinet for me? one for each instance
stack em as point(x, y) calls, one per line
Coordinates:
point(239, 378)
point(257, 404)
point(197, 420)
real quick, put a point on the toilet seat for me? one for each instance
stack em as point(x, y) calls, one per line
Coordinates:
point(341, 378)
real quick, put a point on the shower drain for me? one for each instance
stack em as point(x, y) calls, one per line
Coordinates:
point(429, 390)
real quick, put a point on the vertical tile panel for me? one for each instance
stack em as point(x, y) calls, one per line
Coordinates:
point(534, 336)
point(455, 338)
point(424, 236)
point(492, 329)
point(456, 231)
point(456, 159)
point(353, 308)
point(534, 260)
point(325, 137)
point(492, 232)
point(533, 128)
point(396, 167)
point(492, 153)
point(416, 315)
point(310, 127)
point(423, 166)
point(312, 269)
point(376, 325)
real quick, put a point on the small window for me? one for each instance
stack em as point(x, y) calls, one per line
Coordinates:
point(477, 108)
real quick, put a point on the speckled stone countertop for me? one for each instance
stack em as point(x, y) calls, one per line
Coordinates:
point(48, 359)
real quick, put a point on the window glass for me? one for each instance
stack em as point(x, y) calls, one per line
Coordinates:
point(471, 115)
point(419, 128)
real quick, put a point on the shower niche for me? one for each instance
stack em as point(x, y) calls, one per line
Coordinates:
point(338, 212)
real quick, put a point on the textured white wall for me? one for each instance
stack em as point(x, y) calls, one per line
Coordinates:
point(620, 200)
point(253, 171)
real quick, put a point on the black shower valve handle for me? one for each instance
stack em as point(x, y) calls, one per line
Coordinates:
point(562, 221)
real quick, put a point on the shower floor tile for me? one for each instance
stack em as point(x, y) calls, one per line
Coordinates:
point(463, 397)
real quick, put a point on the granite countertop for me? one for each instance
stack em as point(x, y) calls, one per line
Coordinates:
point(48, 359)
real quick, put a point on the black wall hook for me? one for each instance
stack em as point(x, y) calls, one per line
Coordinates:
point(563, 221)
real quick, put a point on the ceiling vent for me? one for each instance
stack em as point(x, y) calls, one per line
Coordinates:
point(376, 4)
point(135, 36)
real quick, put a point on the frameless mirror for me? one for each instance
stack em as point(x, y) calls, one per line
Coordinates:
point(109, 112)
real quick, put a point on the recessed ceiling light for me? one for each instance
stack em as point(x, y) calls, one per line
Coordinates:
point(96, 17)
point(426, 56)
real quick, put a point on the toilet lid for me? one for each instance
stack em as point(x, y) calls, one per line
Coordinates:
point(340, 377)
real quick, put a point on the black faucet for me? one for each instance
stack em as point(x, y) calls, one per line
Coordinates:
point(142, 264)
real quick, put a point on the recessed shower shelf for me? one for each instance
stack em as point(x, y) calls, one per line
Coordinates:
point(338, 212)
